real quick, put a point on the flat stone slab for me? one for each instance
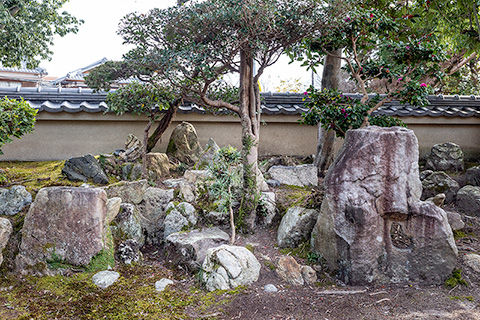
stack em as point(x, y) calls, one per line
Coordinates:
point(105, 279)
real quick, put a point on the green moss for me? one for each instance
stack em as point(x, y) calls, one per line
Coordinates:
point(455, 279)
point(269, 264)
point(250, 248)
point(462, 298)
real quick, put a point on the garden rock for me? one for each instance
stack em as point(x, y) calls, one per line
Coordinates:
point(161, 284)
point(472, 260)
point(133, 149)
point(296, 226)
point(301, 176)
point(309, 275)
point(63, 223)
point(84, 168)
point(289, 271)
point(128, 252)
point(105, 279)
point(132, 171)
point(173, 183)
point(192, 180)
point(183, 144)
point(270, 288)
point(270, 207)
point(151, 213)
point(468, 200)
point(113, 208)
point(13, 200)
point(440, 182)
point(472, 176)
point(179, 217)
point(5, 232)
point(455, 220)
point(206, 158)
point(216, 217)
point(189, 248)
point(158, 164)
point(126, 225)
point(372, 226)
point(129, 192)
point(446, 157)
point(227, 267)
point(438, 200)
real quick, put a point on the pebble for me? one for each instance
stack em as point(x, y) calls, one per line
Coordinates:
point(161, 284)
point(270, 288)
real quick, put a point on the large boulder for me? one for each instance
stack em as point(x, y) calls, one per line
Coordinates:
point(289, 271)
point(445, 157)
point(472, 176)
point(5, 232)
point(439, 182)
point(184, 145)
point(193, 179)
point(296, 226)
point(207, 156)
point(13, 200)
point(126, 225)
point(158, 164)
point(227, 267)
point(468, 200)
point(301, 176)
point(189, 249)
point(178, 217)
point(83, 169)
point(63, 223)
point(129, 192)
point(372, 226)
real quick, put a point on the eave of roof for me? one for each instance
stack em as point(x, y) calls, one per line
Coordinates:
point(74, 100)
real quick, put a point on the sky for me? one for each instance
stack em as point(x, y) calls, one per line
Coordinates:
point(97, 39)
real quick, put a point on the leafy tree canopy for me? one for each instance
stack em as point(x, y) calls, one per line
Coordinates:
point(16, 119)
point(27, 28)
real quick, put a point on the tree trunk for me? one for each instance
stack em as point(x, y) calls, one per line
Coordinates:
point(326, 139)
point(144, 149)
point(250, 119)
point(162, 125)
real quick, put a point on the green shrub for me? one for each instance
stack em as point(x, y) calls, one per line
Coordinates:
point(16, 119)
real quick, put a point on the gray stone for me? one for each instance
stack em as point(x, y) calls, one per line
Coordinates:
point(133, 149)
point(445, 157)
point(5, 232)
point(372, 226)
point(309, 275)
point(173, 183)
point(440, 182)
point(208, 154)
point(128, 252)
point(455, 220)
point(296, 226)
point(105, 279)
point(158, 164)
point(472, 260)
point(13, 200)
point(193, 179)
point(63, 223)
point(161, 284)
point(468, 200)
point(227, 267)
point(129, 192)
point(183, 144)
point(289, 271)
point(438, 200)
point(84, 168)
point(269, 207)
point(126, 225)
point(189, 248)
point(270, 288)
point(303, 175)
point(273, 183)
point(113, 208)
point(472, 176)
point(178, 217)
point(217, 217)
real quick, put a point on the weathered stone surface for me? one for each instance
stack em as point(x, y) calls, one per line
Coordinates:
point(133, 149)
point(372, 226)
point(289, 271)
point(161, 284)
point(126, 225)
point(445, 157)
point(84, 168)
point(173, 183)
point(206, 158)
point(5, 232)
point(217, 217)
point(472, 176)
point(128, 252)
point(468, 200)
point(113, 208)
point(455, 220)
point(270, 288)
point(63, 223)
point(440, 182)
point(129, 192)
point(158, 164)
point(105, 279)
point(438, 200)
point(13, 200)
point(184, 145)
point(190, 248)
point(192, 180)
point(472, 260)
point(296, 226)
point(227, 267)
point(151, 213)
point(178, 217)
point(303, 175)
point(132, 171)
point(270, 207)
point(309, 275)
